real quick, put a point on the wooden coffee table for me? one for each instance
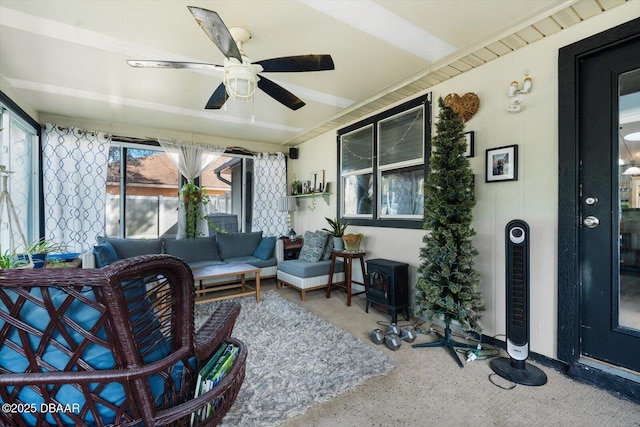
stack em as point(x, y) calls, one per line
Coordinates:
point(220, 272)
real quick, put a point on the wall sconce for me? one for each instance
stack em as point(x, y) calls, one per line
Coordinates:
point(517, 94)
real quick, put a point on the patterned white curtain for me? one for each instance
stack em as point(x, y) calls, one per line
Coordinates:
point(191, 160)
point(74, 165)
point(270, 185)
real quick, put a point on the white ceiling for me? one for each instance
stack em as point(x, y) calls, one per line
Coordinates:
point(67, 57)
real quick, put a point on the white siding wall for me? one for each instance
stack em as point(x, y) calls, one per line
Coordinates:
point(533, 198)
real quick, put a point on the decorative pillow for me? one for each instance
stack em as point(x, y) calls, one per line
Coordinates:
point(105, 254)
point(328, 247)
point(265, 248)
point(313, 246)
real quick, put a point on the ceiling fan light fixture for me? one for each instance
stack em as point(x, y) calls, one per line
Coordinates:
point(240, 81)
point(633, 170)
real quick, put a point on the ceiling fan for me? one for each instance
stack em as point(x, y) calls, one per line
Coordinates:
point(240, 73)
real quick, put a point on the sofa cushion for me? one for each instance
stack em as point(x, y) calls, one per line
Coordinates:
point(313, 246)
point(264, 251)
point(256, 262)
point(206, 263)
point(105, 254)
point(127, 248)
point(193, 250)
point(300, 268)
point(233, 245)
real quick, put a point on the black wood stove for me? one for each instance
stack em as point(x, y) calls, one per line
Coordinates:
point(387, 286)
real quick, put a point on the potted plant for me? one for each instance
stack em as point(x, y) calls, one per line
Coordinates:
point(39, 250)
point(296, 187)
point(352, 242)
point(337, 231)
point(193, 198)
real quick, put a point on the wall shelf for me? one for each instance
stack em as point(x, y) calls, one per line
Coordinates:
point(314, 196)
point(302, 196)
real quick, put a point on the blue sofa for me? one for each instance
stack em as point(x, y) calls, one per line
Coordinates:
point(225, 248)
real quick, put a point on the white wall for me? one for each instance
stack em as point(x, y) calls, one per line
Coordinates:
point(533, 197)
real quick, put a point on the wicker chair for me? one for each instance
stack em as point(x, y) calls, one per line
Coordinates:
point(112, 346)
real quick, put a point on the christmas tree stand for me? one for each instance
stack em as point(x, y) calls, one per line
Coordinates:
point(446, 341)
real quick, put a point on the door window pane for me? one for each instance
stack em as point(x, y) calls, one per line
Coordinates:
point(629, 201)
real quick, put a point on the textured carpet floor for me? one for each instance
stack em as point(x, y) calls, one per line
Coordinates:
point(296, 360)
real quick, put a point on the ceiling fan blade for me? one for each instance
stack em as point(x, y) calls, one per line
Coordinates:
point(212, 25)
point(173, 64)
point(280, 94)
point(218, 98)
point(297, 63)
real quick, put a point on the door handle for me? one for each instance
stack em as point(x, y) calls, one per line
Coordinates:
point(591, 221)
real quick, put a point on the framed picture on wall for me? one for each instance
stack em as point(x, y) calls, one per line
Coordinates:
point(469, 139)
point(502, 164)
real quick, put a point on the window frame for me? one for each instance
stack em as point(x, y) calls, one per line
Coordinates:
point(376, 219)
point(12, 111)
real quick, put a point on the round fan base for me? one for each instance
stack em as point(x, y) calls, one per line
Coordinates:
point(240, 34)
point(518, 371)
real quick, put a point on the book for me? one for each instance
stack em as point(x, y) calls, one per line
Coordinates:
point(204, 373)
point(223, 366)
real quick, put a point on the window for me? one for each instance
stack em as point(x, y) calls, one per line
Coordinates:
point(382, 167)
point(150, 187)
point(151, 184)
point(19, 154)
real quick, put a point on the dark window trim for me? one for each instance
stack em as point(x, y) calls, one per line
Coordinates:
point(374, 120)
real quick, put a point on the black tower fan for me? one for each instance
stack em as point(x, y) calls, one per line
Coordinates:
point(515, 368)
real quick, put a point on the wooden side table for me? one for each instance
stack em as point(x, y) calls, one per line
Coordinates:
point(292, 249)
point(348, 258)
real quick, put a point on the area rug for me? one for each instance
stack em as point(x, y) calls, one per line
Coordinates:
point(295, 360)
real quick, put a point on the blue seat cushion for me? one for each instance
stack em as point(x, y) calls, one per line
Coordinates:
point(256, 262)
point(304, 269)
point(198, 264)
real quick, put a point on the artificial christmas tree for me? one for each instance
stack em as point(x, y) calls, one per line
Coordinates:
point(448, 286)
